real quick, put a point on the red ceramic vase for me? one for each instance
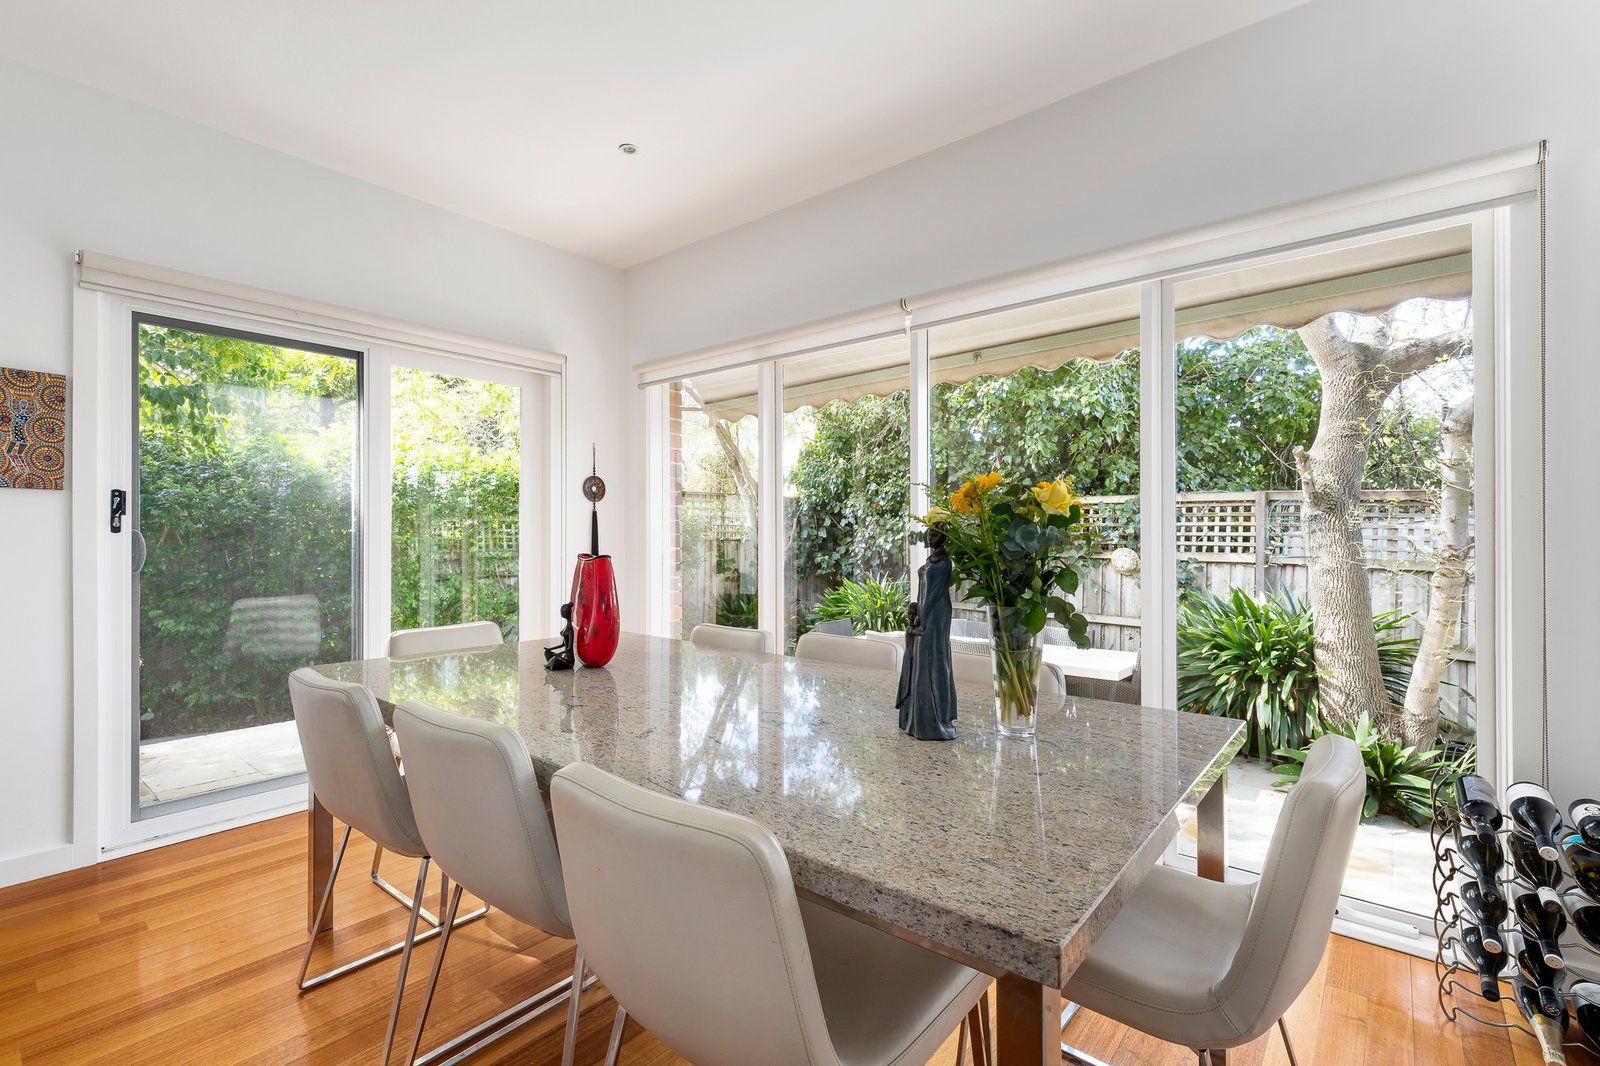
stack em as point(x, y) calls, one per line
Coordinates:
point(596, 617)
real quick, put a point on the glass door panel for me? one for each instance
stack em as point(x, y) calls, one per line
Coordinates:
point(714, 471)
point(1325, 508)
point(846, 489)
point(1044, 392)
point(248, 457)
point(456, 461)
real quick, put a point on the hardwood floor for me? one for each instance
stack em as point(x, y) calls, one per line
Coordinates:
point(188, 954)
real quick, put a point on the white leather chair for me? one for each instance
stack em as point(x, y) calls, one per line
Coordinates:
point(440, 640)
point(347, 759)
point(1212, 965)
point(849, 651)
point(727, 638)
point(689, 916)
point(479, 808)
point(434, 640)
point(976, 666)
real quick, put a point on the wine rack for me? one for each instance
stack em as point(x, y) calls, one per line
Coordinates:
point(1463, 986)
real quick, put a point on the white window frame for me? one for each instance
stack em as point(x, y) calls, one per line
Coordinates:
point(102, 456)
point(1495, 197)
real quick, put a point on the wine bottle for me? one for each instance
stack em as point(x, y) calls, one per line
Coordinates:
point(1537, 872)
point(1586, 1006)
point(1541, 927)
point(1535, 815)
point(1484, 860)
point(1532, 966)
point(1475, 803)
point(1487, 914)
point(1584, 862)
point(1487, 964)
point(1584, 816)
point(1547, 1028)
point(1585, 915)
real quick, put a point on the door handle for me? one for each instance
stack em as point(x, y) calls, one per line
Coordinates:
point(141, 551)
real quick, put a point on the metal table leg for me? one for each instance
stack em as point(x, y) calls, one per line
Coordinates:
point(1211, 831)
point(319, 864)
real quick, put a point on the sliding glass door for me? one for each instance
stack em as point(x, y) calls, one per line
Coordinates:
point(245, 518)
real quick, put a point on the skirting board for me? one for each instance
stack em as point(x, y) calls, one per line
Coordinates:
point(19, 869)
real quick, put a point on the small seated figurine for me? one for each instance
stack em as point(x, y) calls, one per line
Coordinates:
point(561, 657)
point(927, 695)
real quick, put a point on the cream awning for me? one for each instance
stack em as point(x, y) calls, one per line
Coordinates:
point(1366, 279)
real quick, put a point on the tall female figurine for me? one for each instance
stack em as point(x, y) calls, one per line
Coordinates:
point(927, 696)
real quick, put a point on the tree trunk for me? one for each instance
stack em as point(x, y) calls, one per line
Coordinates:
point(1357, 377)
point(743, 480)
point(1448, 588)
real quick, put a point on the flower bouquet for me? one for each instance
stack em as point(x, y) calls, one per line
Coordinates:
point(1014, 546)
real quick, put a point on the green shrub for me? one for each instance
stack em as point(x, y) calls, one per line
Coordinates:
point(1398, 776)
point(1254, 659)
point(877, 603)
point(738, 609)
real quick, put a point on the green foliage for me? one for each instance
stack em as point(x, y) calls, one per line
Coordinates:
point(738, 609)
point(1397, 774)
point(1254, 659)
point(248, 454)
point(877, 603)
point(849, 517)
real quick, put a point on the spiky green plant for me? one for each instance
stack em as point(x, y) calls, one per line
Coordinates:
point(1398, 775)
point(878, 603)
point(1254, 659)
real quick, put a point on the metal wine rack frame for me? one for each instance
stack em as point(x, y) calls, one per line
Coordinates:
point(1447, 919)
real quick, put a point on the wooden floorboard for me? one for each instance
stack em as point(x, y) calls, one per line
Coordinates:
point(188, 954)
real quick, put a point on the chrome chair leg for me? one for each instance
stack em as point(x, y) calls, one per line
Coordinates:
point(433, 976)
point(569, 1044)
point(307, 984)
point(1069, 1010)
point(615, 1046)
point(405, 960)
point(1287, 1045)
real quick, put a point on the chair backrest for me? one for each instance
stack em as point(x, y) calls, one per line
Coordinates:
point(850, 651)
point(973, 666)
point(839, 626)
point(480, 810)
point(440, 640)
point(689, 916)
point(349, 761)
point(1292, 911)
point(727, 638)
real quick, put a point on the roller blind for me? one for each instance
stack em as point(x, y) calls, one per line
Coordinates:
point(1365, 279)
point(126, 277)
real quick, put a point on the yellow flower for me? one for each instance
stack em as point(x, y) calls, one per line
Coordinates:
point(963, 500)
point(936, 516)
point(985, 484)
point(1055, 497)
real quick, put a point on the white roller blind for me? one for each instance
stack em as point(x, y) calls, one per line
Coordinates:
point(126, 277)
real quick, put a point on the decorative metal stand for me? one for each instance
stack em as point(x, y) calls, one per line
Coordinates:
point(1451, 918)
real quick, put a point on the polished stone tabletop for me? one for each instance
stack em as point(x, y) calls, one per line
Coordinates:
point(1010, 854)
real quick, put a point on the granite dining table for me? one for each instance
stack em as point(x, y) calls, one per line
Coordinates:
point(1010, 856)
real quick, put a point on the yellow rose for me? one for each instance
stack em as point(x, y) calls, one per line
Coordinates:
point(1054, 497)
point(936, 516)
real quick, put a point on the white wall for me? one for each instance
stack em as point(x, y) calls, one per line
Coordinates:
point(1332, 96)
point(80, 169)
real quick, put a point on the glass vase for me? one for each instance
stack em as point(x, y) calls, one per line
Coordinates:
point(1015, 656)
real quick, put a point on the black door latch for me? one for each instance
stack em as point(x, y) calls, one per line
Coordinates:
point(119, 507)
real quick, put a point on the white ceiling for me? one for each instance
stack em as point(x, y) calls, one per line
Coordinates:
point(511, 112)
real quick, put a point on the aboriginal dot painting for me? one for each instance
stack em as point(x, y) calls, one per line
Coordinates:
point(33, 430)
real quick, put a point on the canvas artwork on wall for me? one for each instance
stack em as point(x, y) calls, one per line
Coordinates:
point(33, 429)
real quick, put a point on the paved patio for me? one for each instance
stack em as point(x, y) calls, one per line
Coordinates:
point(1390, 865)
point(188, 766)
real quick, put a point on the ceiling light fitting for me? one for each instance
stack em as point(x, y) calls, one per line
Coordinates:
point(628, 149)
